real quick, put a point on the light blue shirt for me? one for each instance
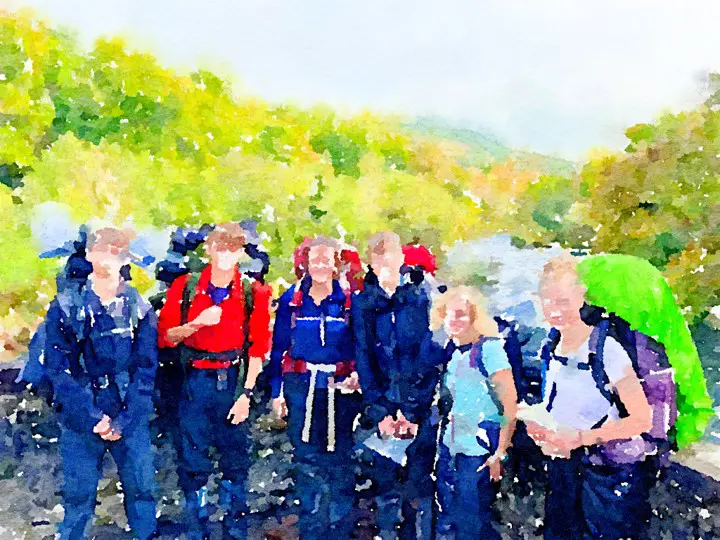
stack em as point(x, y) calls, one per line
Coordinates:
point(472, 398)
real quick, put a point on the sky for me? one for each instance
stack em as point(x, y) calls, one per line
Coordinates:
point(559, 77)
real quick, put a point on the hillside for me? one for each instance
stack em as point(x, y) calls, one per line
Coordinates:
point(483, 149)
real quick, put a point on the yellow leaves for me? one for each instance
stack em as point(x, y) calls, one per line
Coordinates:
point(141, 279)
point(500, 188)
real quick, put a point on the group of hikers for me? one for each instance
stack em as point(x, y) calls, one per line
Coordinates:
point(389, 383)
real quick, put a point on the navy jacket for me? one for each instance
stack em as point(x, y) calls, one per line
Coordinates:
point(101, 362)
point(396, 358)
point(319, 334)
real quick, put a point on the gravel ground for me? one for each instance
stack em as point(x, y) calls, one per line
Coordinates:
point(686, 504)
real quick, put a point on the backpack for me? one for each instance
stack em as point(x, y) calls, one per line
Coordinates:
point(513, 346)
point(656, 377)
point(34, 372)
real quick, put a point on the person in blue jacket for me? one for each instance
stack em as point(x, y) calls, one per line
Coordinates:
point(478, 404)
point(101, 357)
point(398, 369)
point(314, 383)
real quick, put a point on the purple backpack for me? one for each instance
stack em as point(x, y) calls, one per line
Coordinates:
point(656, 376)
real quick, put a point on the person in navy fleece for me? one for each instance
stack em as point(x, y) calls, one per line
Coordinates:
point(314, 383)
point(101, 355)
point(397, 363)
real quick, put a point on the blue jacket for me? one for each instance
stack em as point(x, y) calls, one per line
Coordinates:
point(315, 334)
point(396, 358)
point(100, 362)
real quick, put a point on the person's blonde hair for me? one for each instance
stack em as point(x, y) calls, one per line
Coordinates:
point(562, 266)
point(482, 321)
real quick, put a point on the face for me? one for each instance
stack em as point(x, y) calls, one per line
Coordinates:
point(225, 253)
point(388, 263)
point(321, 264)
point(107, 259)
point(458, 317)
point(562, 298)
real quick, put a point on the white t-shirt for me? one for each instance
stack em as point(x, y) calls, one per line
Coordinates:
point(577, 402)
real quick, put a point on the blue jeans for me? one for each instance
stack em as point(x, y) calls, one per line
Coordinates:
point(464, 497)
point(324, 481)
point(403, 494)
point(203, 412)
point(592, 501)
point(82, 457)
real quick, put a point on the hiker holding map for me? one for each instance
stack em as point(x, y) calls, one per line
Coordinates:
point(595, 420)
point(397, 363)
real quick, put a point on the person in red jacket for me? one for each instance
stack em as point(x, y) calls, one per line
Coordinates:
point(221, 321)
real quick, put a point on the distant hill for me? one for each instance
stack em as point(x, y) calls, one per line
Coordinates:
point(483, 149)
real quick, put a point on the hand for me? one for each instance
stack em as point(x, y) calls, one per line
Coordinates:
point(112, 436)
point(180, 333)
point(387, 427)
point(279, 407)
point(558, 443)
point(495, 465)
point(404, 428)
point(239, 411)
point(351, 383)
point(208, 317)
point(536, 431)
point(565, 441)
point(103, 426)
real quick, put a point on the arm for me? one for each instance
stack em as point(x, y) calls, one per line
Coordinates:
point(259, 337)
point(638, 421)
point(139, 398)
point(171, 331)
point(424, 383)
point(169, 318)
point(626, 384)
point(75, 401)
point(280, 342)
point(503, 385)
point(363, 335)
point(259, 331)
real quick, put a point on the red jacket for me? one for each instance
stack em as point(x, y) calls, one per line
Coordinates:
point(228, 334)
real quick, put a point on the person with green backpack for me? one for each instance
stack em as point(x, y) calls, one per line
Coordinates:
point(607, 408)
point(220, 320)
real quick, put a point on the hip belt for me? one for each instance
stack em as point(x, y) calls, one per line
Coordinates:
point(340, 369)
point(206, 363)
point(212, 360)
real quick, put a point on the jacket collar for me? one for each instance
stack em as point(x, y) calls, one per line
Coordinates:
point(406, 293)
point(235, 284)
point(303, 290)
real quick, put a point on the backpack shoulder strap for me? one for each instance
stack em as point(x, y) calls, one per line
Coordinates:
point(188, 296)
point(547, 352)
point(598, 338)
point(476, 360)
